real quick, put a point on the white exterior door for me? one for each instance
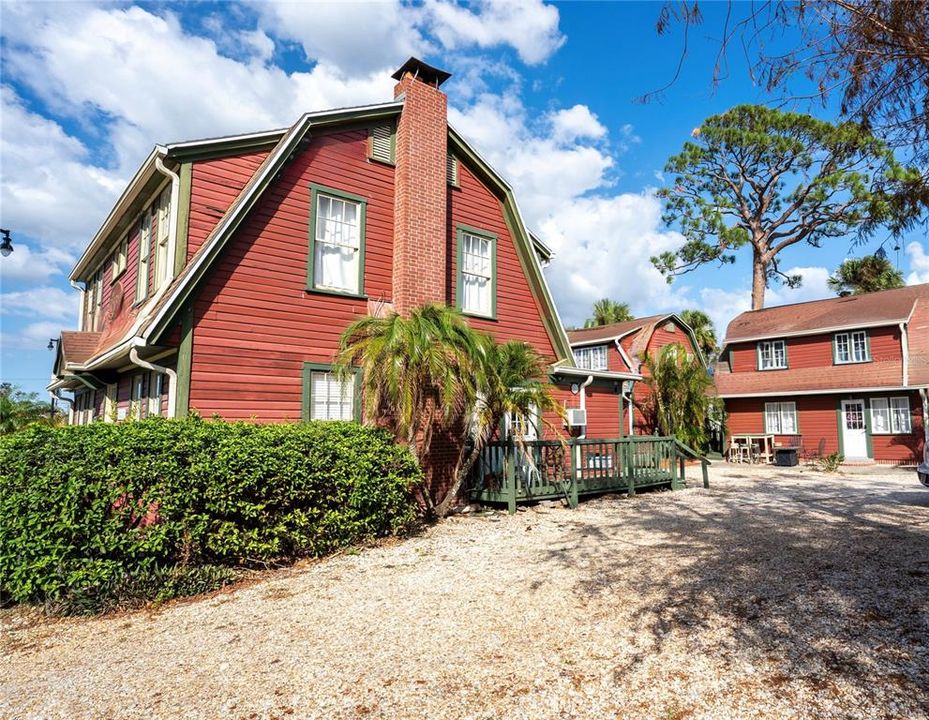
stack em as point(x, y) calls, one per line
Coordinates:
point(854, 429)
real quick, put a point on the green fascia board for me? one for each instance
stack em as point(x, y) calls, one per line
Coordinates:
point(524, 246)
point(184, 363)
point(459, 231)
point(182, 230)
point(214, 150)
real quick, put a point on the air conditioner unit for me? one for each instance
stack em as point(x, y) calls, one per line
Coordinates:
point(577, 417)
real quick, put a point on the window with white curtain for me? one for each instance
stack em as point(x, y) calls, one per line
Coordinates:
point(772, 355)
point(338, 241)
point(852, 347)
point(329, 397)
point(476, 272)
point(591, 358)
point(780, 418)
point(890, 416)
point(145, 255)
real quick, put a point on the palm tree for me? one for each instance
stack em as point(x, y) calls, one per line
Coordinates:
point(19, 409)
point(608, 311)
point(704, 332)
point(856, 276)
point(416, 371)
point(510, 386)
point(678, 402)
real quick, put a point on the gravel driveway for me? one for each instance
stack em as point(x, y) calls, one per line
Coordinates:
point(775, 594)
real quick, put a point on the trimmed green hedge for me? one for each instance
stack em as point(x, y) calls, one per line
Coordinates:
point(94, 516)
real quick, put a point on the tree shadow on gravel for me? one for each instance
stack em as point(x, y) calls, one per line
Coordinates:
point(815, 584)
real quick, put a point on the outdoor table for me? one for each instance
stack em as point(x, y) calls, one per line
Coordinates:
point(764, 441)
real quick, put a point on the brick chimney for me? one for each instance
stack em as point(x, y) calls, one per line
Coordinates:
point(420, 191)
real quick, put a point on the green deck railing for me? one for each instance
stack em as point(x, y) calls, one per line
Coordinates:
point(550, 469)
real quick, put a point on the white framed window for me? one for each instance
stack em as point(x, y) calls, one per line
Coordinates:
point(326, 397)
point(161, 246)
point(477, 261)
point(526, 426)
point(891, 416)
point(145, 255)
point(110, 403)
point(772, 355)
point(337, 233)
point(93, 302)
point(852, 347)
point(156, 382)
point(780, 418)
point(120, 255)
point(84, 405)
point(137, 398)
point(591, 358)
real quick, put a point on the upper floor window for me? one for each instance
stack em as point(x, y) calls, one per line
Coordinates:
point(591, 358)
point(120, 255)
point(477, 267)
point(772, 355)
point(852, 347)
point(93, 302)
point(161, 245)
point(337, 230)
point(145, 255)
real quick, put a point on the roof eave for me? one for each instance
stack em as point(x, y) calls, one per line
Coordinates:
point(816, 331)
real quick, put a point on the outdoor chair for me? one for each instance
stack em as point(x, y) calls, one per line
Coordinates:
point(738, 452)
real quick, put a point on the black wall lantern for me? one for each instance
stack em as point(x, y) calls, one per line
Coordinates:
point(6, 243)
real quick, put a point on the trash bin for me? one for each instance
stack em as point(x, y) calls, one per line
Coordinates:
point(785, 457)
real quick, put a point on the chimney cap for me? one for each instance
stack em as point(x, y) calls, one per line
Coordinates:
point(428, 74)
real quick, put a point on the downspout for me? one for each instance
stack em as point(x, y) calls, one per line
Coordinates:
point(55, 396)
point(172, 386)
point(924, 394)
point(630, 405)
point(583, 393)
point(628, 361)
point(905, 348)
point(80, 307)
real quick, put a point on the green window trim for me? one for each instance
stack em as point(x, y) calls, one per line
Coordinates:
point(306, 392)
point(461, 230)
point(372, 140)
point(315, 191)
point(849, 334)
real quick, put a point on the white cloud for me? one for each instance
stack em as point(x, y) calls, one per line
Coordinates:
point(919, 264)
point(575, 123)
point(26, 265)
point(33, 336)
point(531, 26)
point(44, 302)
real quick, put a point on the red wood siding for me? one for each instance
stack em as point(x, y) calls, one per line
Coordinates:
point(818, 424)
point(816, 350)
point(519, 316)
point(214, 184)
point(254, 323)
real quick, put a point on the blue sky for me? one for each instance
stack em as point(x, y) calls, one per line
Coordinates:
point(546, 91)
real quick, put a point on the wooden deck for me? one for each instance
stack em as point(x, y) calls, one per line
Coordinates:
point(570, 469)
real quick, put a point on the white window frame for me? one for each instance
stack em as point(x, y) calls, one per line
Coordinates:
point(355, 242)
point(592, 357)
point(857, 347)
point(137, 396)
point(484, 268)
point(160, 274)
point(155, 391)
point(779, 412)
point(891, 416)
point(120, 257)
point(768, 354)
point(145, 255)
point(532, 429)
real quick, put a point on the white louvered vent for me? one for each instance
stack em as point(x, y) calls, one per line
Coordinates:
point(452, 169)
point(381, 143)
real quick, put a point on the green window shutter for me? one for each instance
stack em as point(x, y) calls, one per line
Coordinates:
point(382, 143)
point(451, 170)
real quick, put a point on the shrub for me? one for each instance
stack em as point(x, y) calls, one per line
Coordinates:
point(97, 515)
point(830, 463)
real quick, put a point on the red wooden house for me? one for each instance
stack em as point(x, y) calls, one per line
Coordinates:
point(848, 375)
point(223, 277)
point(622, 348)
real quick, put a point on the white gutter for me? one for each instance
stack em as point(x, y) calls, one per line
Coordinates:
point(905, 348)
point(583, 393)
point(622, 354)
point(172, 386)
point(827, 391)
point(631, 407)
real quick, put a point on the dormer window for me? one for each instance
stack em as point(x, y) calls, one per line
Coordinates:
point(851, 347)
point(772, 355)
point(591, 358)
